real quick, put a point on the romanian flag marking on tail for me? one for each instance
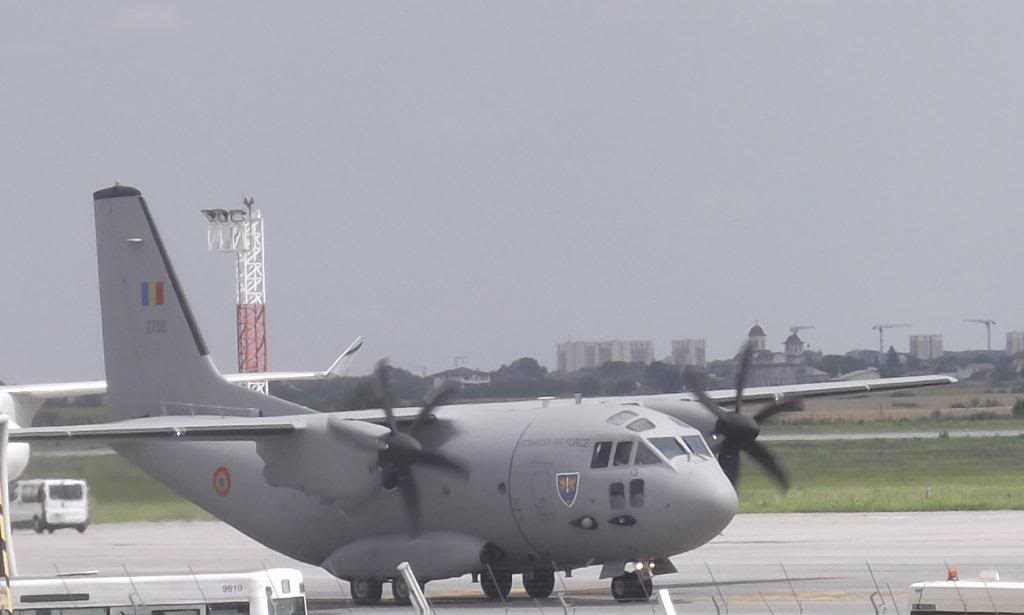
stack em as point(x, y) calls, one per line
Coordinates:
point(152, 293)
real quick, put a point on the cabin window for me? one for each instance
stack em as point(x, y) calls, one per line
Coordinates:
point(79, 611)
point(65, 491)
point(602, 453)
point(31, 492)
point(645, 456)
point(669, 447)
point(228, 608)
point(640, 425)
point(697, 445)
point(617, 496)
point(175, 612)
point(620, 418)
point(623, 453)
point(288, 606)
point(636, 493)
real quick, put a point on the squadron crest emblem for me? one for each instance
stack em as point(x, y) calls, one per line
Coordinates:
point(568, 486)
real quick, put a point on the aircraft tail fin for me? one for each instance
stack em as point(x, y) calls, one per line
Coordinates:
point(156, 359)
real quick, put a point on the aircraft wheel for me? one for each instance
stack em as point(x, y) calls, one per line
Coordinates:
point(400, 592)
point(620, 588)
point(366, 591)
point(629, 588)
point(38, 525)
point(80, 528)
point(646, 589)
point(539, 583)
point(499, 590)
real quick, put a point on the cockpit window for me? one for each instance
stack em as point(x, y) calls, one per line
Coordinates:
point(621, 417)
point(645, 456)
point(623, 452)
point(602, 453)
point(670, 447)
point(640, 425)
point(696, 444)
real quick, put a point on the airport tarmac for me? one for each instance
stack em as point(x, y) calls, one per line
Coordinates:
point(825, 558)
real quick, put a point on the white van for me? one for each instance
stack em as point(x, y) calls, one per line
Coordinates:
point(978, 597)
point(50, 504)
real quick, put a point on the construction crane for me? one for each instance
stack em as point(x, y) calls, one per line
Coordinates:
point(988, 327)
point(881, 332)
point(796, 329)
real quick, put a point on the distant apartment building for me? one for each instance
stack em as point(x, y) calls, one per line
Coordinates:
point(574, 356)
point(689, 352)
point(926, 347)
point(1014, 342)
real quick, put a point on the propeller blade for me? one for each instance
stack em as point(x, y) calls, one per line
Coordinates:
point(767, 461)
point(695, 384)
point(411, 499)
point(746, 356)
point(442, 462)
point(437, 397)
point(730, 462)
point(382, 387)
point(786, 405)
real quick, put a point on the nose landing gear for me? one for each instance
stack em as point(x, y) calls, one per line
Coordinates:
point(630, 587)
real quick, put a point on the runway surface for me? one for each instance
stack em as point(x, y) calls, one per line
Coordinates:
point(825, 558)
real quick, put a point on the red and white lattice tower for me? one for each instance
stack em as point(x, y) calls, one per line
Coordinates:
point(240, 231)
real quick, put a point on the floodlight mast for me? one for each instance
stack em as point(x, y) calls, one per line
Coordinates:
point(240, 231)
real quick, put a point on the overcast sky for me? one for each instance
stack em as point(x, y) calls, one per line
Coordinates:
point(487, 179)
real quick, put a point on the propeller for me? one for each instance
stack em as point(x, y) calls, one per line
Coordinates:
point(735, 431)
point(401, 450)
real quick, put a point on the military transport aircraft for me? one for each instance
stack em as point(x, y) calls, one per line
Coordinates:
point(20, 402)
point(491, 490)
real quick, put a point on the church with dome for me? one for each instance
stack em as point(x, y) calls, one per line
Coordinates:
point(770, 368)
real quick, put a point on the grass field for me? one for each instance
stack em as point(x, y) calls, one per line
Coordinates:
point(857, 476)
point(973, 422)
point(892, 475)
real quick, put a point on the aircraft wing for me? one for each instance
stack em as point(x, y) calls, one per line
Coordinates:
point(284, 443)
point(338, 368)
point(199, 428)
point(831, 389)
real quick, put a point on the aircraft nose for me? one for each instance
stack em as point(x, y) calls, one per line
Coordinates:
point(722, 499)
point(714, 500)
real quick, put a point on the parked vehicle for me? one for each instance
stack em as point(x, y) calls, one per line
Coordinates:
point(277, 591)
point(50, 504)
point(987, 595)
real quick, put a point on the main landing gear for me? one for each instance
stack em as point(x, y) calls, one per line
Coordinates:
point(631, 588)
point(369, 591)
point(366, 591)
point(539, 583)
point(497, 586)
